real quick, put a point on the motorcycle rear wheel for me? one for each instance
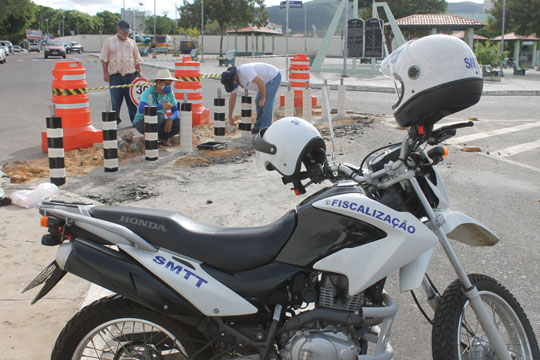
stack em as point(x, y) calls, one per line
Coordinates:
point(457, 333)
point(116, 328)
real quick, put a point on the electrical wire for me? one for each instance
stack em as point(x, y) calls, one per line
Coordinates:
point(421, 308)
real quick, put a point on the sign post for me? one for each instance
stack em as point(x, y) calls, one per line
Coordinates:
point(295, 4)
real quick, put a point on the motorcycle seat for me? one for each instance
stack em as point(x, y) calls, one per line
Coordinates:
point(227, 249)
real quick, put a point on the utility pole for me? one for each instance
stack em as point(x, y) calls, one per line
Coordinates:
point(155, 37)
point(47, 20)
point(202, 31)
point(502, 31)
point(305, 28)
point(63, 24)
point(287, 39)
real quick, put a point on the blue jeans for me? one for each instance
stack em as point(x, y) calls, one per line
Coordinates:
point(118, 95)
point(265, 113)
point(161, 123)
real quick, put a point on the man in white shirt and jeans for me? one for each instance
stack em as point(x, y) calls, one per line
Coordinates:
point(121, 65)
point(260, 77)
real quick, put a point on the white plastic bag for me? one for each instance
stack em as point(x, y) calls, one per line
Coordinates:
point(30, 198)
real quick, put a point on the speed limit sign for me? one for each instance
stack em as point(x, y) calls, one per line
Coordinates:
point(135, 91)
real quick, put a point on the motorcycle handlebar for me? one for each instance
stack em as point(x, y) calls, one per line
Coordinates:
point(446, 132)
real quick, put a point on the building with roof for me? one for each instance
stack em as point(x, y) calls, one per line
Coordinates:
point(254, 32)
point(445, 23)
point(525, 48)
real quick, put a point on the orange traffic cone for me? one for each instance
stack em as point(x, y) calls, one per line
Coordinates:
point(70, 98)
point(189, 69)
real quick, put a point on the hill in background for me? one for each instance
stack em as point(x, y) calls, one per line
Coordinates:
point(321, 12)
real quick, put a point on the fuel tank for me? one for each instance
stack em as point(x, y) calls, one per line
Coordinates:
point(320, 232)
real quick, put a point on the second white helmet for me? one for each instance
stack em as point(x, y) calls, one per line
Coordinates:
point(287, 144)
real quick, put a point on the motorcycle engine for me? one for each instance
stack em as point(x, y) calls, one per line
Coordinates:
point(323, 344)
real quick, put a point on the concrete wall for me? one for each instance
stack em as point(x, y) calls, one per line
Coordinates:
point(277, 45)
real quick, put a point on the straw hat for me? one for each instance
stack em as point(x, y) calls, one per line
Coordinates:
point(163, 74)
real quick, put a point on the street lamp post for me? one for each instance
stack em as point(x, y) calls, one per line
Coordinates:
point(47, 20)
point(155, 37)
point(202, 31)
point(63, 24)
point(287, 39)
point(502, 31)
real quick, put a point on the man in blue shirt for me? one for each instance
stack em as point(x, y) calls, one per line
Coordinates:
point(161, 96)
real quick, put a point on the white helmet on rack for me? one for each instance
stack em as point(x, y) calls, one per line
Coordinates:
point(287, 144)
point(435, 76)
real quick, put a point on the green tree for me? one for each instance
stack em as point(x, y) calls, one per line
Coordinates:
point(227, 13)
point(489, 54)
point(15, 17)
point(164, 25)
point(108, 21)
point(521, 17)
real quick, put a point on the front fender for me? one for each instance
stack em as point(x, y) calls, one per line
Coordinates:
point(466, 230)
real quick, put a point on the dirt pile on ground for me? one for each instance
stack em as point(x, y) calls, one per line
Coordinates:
point(130, 145)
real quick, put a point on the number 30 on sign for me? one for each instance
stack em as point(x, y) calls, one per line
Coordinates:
point(135, 92)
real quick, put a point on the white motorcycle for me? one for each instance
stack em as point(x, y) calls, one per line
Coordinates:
point(308, 286)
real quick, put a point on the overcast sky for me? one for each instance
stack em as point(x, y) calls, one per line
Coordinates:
point(94, 6)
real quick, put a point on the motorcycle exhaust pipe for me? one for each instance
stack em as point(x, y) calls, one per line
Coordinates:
point(119, 273)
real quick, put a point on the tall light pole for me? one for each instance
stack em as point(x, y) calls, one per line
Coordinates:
point(305, 27)
point(287, 39)
point(47, 20)
point(63, 24)
point(202, 31)
point(155, 37)
point(502, 31)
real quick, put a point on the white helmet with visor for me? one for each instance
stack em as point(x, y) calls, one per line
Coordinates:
point(435, 76)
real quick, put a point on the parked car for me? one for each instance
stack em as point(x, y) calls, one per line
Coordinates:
point(7, 45)
point(16, 48)
point(34, 46)
point(74, 47)
point(54, 48)
point(2, 55)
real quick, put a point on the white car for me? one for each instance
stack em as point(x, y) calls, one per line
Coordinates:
point(2, 55)
point(6, 45)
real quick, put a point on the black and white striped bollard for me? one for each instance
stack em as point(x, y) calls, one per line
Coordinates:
point(110, 141)
point(55, 149)
point(245, 122)
point(186, 126)
point(150, 133)
point(219, 118)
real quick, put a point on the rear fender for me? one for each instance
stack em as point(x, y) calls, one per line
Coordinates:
point(466, 230)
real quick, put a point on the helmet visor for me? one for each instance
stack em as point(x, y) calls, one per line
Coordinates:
point(388, 68)
point(388, 65)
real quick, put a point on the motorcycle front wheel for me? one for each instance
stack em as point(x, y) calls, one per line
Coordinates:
point(457, 333)
point(115, 328)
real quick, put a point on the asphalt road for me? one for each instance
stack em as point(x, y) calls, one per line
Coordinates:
point(498, 186)
point(26, 97)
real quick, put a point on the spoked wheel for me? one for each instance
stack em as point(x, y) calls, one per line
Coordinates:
point(457, 333)
point(115, 328)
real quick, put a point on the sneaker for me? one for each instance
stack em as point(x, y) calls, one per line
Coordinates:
point(254, 131)
point(230, 128)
